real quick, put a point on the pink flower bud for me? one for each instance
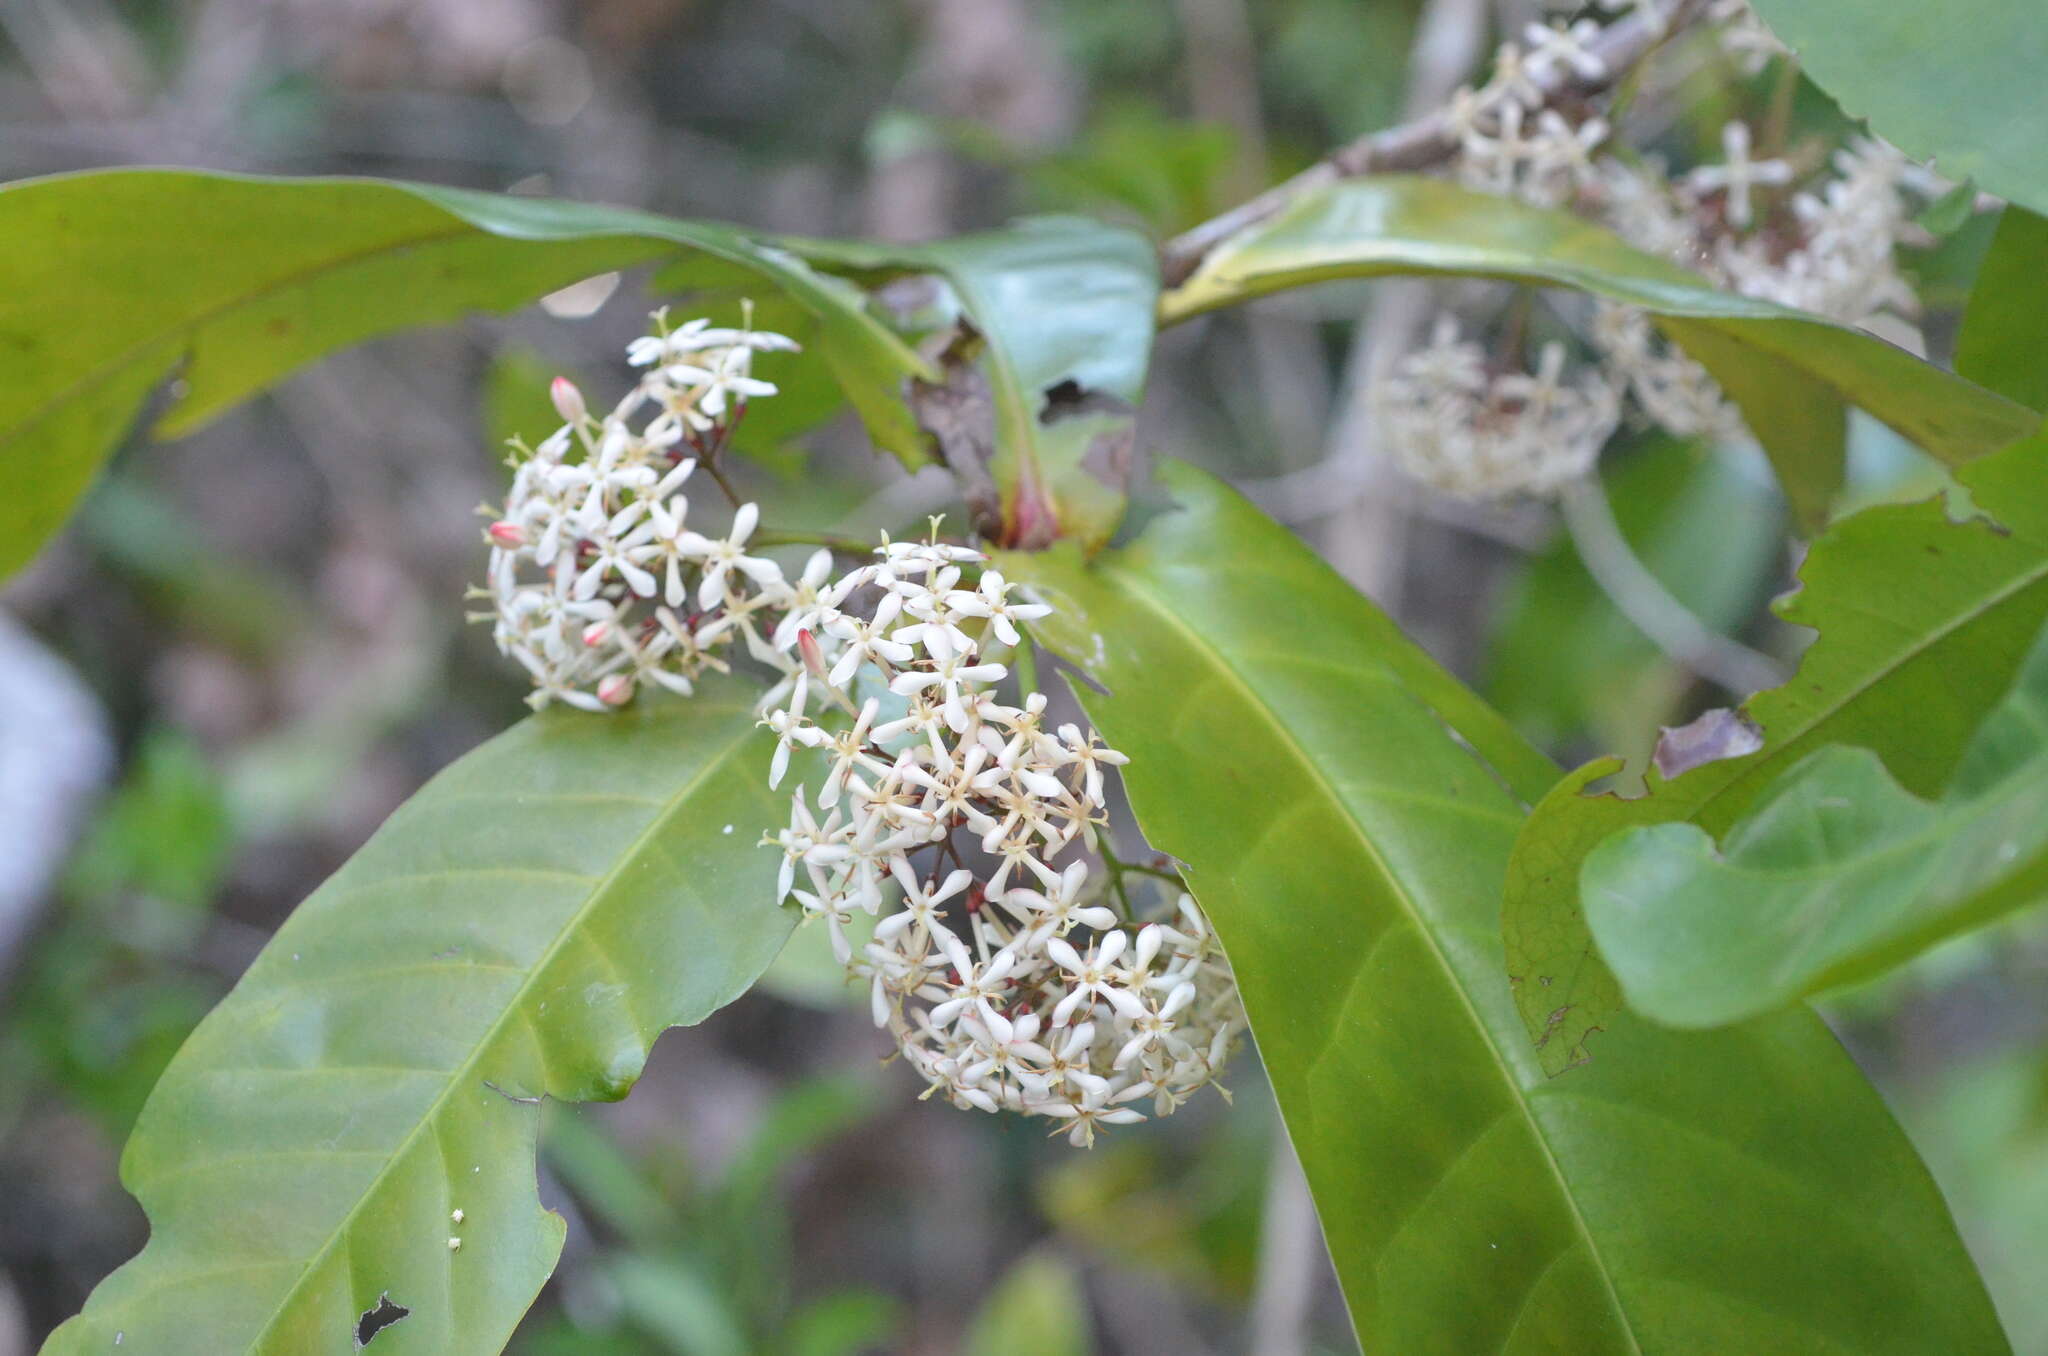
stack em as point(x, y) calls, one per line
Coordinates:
point(596, 633)
point(616, 690)
point(814, 658)
point(568, 400)
point(507, 534)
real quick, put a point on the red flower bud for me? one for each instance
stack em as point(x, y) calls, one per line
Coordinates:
point(568, 400)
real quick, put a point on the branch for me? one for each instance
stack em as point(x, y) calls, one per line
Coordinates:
point(1425, 142)
point(1644, 600)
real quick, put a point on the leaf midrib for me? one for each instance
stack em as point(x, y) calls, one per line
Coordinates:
point(514, 1007)
point(1157, 606)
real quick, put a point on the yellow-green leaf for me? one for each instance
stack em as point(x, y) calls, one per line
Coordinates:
point(523, 927)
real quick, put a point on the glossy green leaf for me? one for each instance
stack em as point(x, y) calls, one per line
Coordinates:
point(1039, 396)
point(2004, 339)
point(1923, 623)
point(118, 282)
point(1345, 810)
point(1789, 371)
point(1836, 874)
point(526, 925)
point(1958, 83)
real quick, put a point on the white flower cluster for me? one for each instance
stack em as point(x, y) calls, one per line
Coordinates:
point(1008, 981)
point(597, 581)
point(1509, 143)
point(1463, 430)
point(1831, 253)
point(1828, 250)
point(1843, 264)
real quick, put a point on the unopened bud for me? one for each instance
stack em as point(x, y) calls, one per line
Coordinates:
point(814, 658)
point(568, 400)
point(616, 690)
point(507, 534)
point(596, 633)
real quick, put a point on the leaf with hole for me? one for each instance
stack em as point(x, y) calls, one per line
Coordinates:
point(1790, 372)
point(1345, 809)
point(1836, 874)
point(1923, 620)
point(523, 927)
point(1036, 405)
point(119, 282)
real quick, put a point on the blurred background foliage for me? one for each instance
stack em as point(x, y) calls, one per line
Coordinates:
point(263, 652)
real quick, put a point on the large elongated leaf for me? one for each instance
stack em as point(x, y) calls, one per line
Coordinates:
point(1835, 874)
point(1061, 310)
point(1789, 371)
point(1923, 623)
point(525, 926)
point(1958, 83)
point(114, 282)
point(1345, 809)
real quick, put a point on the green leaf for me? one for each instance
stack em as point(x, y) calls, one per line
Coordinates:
point(117, 282)
point(1789, 371)
point(1923, 624)
point(844, 1323)
point(1948, 213)
point(526, 925)
point(1038, 398)
point(673, 1299)
point(1958, 83)
point(1345, 810)
point(2004, 340)
point(1836, 874)
point(1037, 1309)
point(1565, 662)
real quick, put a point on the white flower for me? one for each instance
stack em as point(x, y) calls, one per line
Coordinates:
point(723, 555)
point(1092, 976)
point(1739, 174)
point(1555, 48)
point(791, 729)
point(867, 641)
point(1086, 1115)
point(991, 600)
point(921, 907)
point(807, 608)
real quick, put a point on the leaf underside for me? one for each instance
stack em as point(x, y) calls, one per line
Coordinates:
point(1346, 810)
point(1835, 874)
point(1789, 371)
point(1923, 623)
point(525, 926)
